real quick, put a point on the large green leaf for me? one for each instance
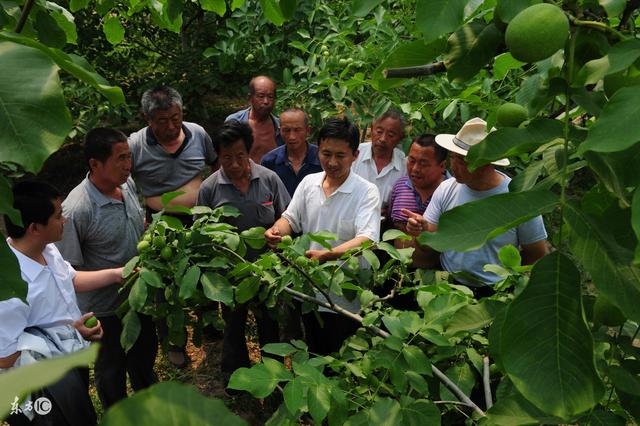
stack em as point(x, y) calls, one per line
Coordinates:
point(12, 283)
point(511, 409)
point(419, 413)
point(361, 8)
point(506, 10)
point(434, 18)
point(462, 375)
point(113, 30)
point(617, 127)
point(385, 411)
point(546, 347)
point(510, 141)
point(619, 57)
point(272, 11)
point(261, 379)
point(170, 403)
point(74, 65)
point(217, 288)
point(605, 248)
point(34, 120)
point(22, 380)
point(49, 32)
point(473, 317)
point(217, 6)
point(617, 170)
point(130, 330)
point(469, 226)
point(470, 48)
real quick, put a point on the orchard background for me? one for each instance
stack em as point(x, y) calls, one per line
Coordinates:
point(559, 347)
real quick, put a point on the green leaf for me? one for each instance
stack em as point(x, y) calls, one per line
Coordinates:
point(151, 277)
point(462, 375)
point(624, 381)
point(138, 294)
point(393, 234)
point(130, 330)
point(385, 412)
point(219, 7)
point(34, 121)
point(49, 32)
point(506, 10)
point(272, 11)
point(288, 8)
point(503, 64)
point(362, 8)
point(247, 289)
point(470, 48)
point(295, 395)
point(12, 283)
point(420, 412)
point(254, 237)
point(170, 402)
point(510, 256)
point(511, 409)
point(74, 65)
point(459, 228)
point(23, 380)
point(395, 326)
point(511, 141)
point(189, 282)
point(372, 259)
point(130, 266)
point(261, 379)
point(434, 18)
point(616, 170)
point(416, 359)
point(282, 349)
point(614, 8)
point(6, 207)
point(616, 129)
point(113, 30)
point(407, 54)
point(319, 402)
point(217, 288)
point(470, 318)
point(599, 246)
point(76, 5)
point(166, 198)
point(65, 21)
point(545, 326)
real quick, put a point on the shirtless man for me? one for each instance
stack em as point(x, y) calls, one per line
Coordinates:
point(265, 126)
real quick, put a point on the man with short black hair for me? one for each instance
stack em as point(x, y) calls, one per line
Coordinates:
point(259, 115)
point(104, 224)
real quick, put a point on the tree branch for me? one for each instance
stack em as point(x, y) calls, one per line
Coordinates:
point(628, 11)
point(307, 277)
point(25, 14)
point(428, 69)
point(486, 381)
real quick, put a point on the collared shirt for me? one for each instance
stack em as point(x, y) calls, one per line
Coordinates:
point(365, 166)
point(261, 205)
point(157, 171)
point(405, 196)
point(100, 232)
point(243, 116)
point(451, 194)
point(51, 297)
point(278, 161)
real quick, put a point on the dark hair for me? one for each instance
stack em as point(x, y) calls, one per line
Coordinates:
point(340, 128)
point(98, 144)
point(34, 201)
point(294, 110)
point(230, 132)
point(427, 140)
point(394, 114)
point(252, 84)
point(160, 98)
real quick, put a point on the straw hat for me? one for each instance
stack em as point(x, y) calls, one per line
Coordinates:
point(472, 133)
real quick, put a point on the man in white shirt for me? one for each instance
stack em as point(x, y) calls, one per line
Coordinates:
point(336, 201)
point(380, 161)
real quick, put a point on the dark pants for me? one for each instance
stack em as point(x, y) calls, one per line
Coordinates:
point(326, 338)
point(234, 345)
point(113, 363)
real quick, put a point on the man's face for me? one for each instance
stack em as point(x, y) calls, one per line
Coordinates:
point(459, 168)
point(117, 167)
point(264, 97)
point(293, 129)
point(52, 231)
point(423, 168)
point(166, 124)
point(234, 160)
point(385, 135)
point(336, 158)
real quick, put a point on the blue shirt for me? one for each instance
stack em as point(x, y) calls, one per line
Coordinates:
point(278, 161)
point(243, 116)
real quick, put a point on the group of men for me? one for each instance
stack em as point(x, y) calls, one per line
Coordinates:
point(268, 169)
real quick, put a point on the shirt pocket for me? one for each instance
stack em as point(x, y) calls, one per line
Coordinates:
point(266, 215)
point(346, 229)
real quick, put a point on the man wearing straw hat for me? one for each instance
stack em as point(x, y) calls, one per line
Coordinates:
point(464, 187)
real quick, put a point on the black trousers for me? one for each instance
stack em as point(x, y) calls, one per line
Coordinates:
point(234, 345)
point(113, 363)
point(327, 337)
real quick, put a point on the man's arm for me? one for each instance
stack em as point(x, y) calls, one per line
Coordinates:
point(337, 251)
point(533, 252)
point(93, 280)
point(423, 256)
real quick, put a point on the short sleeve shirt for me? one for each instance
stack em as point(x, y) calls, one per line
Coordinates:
point(451, 194)
point(156, 171)
point(243, 116)
point(100, 232)
point(365, 166)
point(278, 161)
point(51, 297)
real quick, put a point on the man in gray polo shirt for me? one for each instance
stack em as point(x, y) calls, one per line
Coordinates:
point(261, 197)
point(104, 222)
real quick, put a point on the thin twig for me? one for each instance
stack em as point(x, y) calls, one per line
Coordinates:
point(25, 14)
point(452, 403)
point(306, 275)
point(600, 26)
point(406, 72)
point(455, 390)
point(486, 381)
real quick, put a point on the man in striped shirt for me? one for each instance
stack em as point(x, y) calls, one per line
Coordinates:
point(425, 170)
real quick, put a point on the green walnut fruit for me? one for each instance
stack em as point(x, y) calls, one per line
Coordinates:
point(302, 261)
point(342, 62)
point(604, 312)
point(249, 57)
point(166, 253)
point(325, 53)
point(537, 32)
point(287, 239)
point(158, 242)
point(91, 322)
point(147, 237)
point(143, 246)
point(510, 115)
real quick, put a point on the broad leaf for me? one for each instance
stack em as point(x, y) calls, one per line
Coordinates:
point(22, 380)
point(295, 393)
point(319, 402)
point(166, 198)
point(282, 349)
point(503, 64)
point(113, 30)
point(469, 226)
point(616, 129)
point(361, 8)
point(407, 54)
point(49, 32)
point(261, 379)
point(385, 411)
point(434, 18)
point(462, 375)
point(189, 282)
point(546, 346)
point(511, 409)
point(617, 170)
point(138, 294)
point(393, 234)
point(474, 317)
point(170, 402)
point(254, 237)
point(506, 10)
point(272, 11)
point(419, 413)
point(217, 288)
point(603, 248)
point(247, 289)
point(130, 330)
point(416, 359)
point(217, 6)
point(151, 277)
point(470, 48)
point(34, 121)
point(511, 141)
point(12, 283)
point(619, 57)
